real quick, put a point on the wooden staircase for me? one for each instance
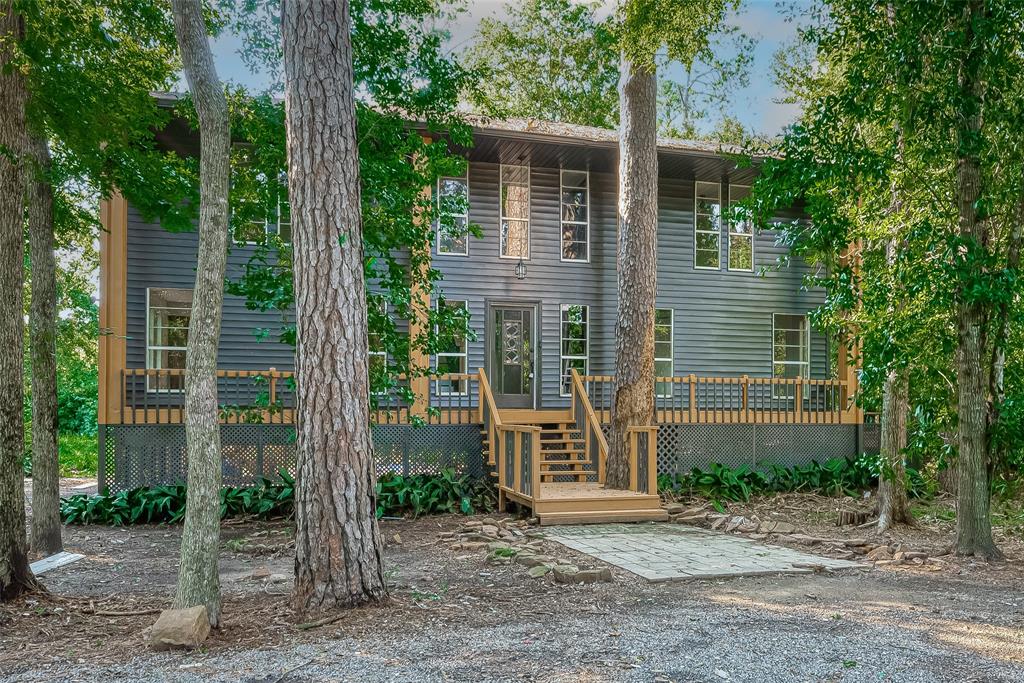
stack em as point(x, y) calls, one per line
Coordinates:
point(552, 461)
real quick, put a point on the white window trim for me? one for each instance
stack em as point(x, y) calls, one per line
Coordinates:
point(149, 347)
point(562, 223)
point(561, 339)
point(750, 236)
point(437, 240)
point(807, 346)
point(529, 209)
point(383, 354)
point(707, 232)
point(672, 349)
point(464, 354)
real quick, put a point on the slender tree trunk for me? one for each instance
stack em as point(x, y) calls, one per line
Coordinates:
point(43, 338)
point(973, 525)
point(338, 550)
point(15, 576)
point(198, 578)
point(893, 502)
point(637, 261)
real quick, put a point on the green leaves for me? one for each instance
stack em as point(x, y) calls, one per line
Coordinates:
point(422, 494)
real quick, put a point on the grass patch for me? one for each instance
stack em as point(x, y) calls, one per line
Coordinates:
point(78, 454)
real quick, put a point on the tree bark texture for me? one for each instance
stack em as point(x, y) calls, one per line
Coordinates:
point(198, 578)
point(15, 576)
point(46, 523)
point(973, 525)
point(893, 502)
point(637, 261)
point(338, 550)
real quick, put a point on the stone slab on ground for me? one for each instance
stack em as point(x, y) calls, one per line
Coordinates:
point(54, 561)
point(663, 552)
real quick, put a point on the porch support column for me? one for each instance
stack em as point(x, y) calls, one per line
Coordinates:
point(420, 297)
point(113, 307)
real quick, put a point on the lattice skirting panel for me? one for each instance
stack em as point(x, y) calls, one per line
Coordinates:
point(150, 455)
point(682, 447)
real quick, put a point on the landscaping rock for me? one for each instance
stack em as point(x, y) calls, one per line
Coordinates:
point(674, 508)
point(180, 628)
point(489, 530)
point(528, 560)
point(882, 552)
point(498, 545)
point(539, 571)
point(473, 545)
point(783, 528)
point(718, 520)
point(572, 574)
point(260, 573)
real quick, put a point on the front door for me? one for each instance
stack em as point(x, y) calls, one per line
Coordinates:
point(512, 355)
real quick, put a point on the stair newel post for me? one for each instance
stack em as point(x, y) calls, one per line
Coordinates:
point(652, 460)
point(517, 460)
point(634, 455)
point(535, 466)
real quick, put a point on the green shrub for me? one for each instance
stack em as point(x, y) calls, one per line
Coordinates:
point(837, 476)
point(78, 454)
point(419, 494)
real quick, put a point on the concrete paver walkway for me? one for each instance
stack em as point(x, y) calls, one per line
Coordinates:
point(661, 552)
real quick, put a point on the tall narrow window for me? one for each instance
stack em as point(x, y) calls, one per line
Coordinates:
point(663, 358)
point(575, 344)
point(167, 317)
point(741, 233)
point(277, 222)
point(378, 310)
point(791, 346)
point(707, 225)
point(453, 221)
point(575, 215)
point(515, 211)
point(452, 356)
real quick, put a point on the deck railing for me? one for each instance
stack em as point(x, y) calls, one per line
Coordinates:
point(490, 418)
point(588, 425)
point(727, 400)
point(518, 456)
point(157, 396)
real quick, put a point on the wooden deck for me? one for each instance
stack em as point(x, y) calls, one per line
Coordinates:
point(589, 503)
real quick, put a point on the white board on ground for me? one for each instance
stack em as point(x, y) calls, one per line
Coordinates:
point(54, 561)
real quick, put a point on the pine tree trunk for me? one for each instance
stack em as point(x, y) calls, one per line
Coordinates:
point(15, 576)
point(893, 502)
point(46, 524)
point(198, 578)
point(633, 391)
point(338, 550)
point(973, 525)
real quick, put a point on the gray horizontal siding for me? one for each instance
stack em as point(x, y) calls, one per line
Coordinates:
point(723, 319)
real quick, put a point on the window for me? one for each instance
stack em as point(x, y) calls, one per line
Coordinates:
point(663, 363)
point(453, 224)
point(278, 224)
point(741, 233)
point(378, 362)
point(452, 356)
point(707, 225)
point(168, 312)
point(515, 212)
point(575, 346)
point(575, 216)
point(791, 346)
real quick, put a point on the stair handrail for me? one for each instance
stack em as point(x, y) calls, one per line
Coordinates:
point(590, 423)
point(491, 425)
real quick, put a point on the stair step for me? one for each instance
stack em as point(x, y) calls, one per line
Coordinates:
point(566, 461)
point(561, 451)
point(548, 470)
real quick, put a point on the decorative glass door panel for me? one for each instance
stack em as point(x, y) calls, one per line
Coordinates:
point(512, 356)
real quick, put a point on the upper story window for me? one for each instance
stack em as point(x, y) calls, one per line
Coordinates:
point(664, 365)
point(741, 232)
point(277, 223)
point(515, 212)
point(453, 223)
point(575, 344)
point(791, 346)
point(452, 357)
point(575, 216)
point(168, 312)
point(707, 225)
point(378, 362)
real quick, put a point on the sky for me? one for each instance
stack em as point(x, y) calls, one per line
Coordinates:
point(756, 106)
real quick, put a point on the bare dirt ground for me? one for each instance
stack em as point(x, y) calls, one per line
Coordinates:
point(455, 615)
